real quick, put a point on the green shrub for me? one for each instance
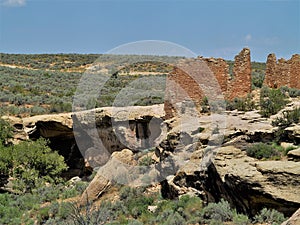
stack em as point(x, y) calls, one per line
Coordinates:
point(49, 193)
point(240, 219)
point(61, 107)
point(29, 207)
point(292, 92)
point(73, 190)
point(264, 151)
point(134, 222)
point(271, 101)
point(107, 213)
point(220, 211)
point(215, 222)
point(18, 209)
point(191, 206)
point(270, 216)
point(145, 161)
point(8, 213)
point(241, 104)
point(31, 163)
point(43, 214)
point(5, 131)
point(288, 118)
point(257, 79)
point(174, 219)
point(205, 105)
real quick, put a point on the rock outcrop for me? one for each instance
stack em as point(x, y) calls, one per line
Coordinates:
point(87, 139)
point(248, 184)
point(294, 132)
point(58, 129)
point(294, 219)
point(225, 171)
point(294, 155)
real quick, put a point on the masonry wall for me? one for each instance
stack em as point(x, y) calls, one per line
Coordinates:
point(182, 86)
point(240, 85)
point(295, 71)
point(220, 69)
point(212, 79)
point(282, 72)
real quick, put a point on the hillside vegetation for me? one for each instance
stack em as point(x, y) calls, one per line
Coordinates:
point(46, 83)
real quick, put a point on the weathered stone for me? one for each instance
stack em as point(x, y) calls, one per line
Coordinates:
point(287, 145)
point(152, 208)
point(270, 77)
point(294, 154)
point(294, 132)
point(248, 184)
point(96, 188)
point(207, 77)
point(282, 72)
point(220, 69)
point(125, 156)
point(87, 139)
point(106, 173)
point(240, 86)
point(294, 219)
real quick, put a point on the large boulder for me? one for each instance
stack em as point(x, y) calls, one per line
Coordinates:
point(112, 170)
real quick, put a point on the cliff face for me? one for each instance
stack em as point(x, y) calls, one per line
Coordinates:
point(87, 139)
point(248, 184)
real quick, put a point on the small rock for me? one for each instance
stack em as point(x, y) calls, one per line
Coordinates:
point(152, 208)
point(287, 145)
point(74, 180)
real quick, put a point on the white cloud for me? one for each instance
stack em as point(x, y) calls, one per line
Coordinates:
point(13, 3)
point(248, 38)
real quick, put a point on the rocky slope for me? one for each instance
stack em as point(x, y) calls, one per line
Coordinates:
point(198, 154)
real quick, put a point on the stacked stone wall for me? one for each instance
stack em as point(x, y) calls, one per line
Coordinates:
point(282, 72)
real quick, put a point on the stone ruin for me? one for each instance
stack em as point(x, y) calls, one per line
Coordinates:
point(195, 85)
point(187, 83)
point(282, 72)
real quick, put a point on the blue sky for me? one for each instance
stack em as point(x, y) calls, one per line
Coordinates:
point(209, 28)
